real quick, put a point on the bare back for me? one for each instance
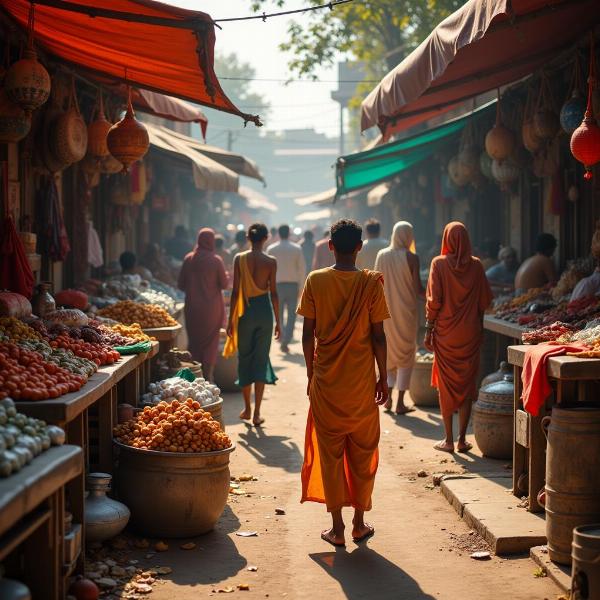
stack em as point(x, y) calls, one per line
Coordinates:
point(536, 271)
point(262, 268)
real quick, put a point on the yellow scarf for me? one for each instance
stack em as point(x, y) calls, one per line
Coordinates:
point(247, 289)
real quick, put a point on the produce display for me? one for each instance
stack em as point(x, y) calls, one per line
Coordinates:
point(69, 317)
point(14, 305)
point(176, 388)
point(158, 298)
point(23, 438)
point(99, 353)
point(62, 358)
point(72, 298)
point(133, 332)
point(147, 316)
point(547, 333)
point(173, 427)
point(26, 375)
point(15, 330)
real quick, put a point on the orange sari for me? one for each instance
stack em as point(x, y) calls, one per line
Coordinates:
point(342, 429)
point(458, 294)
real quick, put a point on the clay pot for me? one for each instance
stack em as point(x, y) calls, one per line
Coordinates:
point(42, 302)
point(15, 123)
point(546, 124)
point(97, 133)
point(128, 139)
point(493, 419)
point(503, 370)
point(499, 142)
point(455, 173)
point(105, 518)
point(420, 389)
point(27, 83)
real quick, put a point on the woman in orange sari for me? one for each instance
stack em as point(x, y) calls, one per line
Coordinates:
point(458, 294)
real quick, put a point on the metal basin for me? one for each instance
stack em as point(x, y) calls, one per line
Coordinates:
point(420, 389)
point(170, 494)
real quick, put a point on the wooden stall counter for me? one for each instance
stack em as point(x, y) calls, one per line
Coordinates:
point(166, 336)
point(570, 378)
point(32, 521)
point(502, 327)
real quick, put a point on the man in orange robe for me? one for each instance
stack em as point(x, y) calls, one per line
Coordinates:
point(458, 293)
point(343, 309)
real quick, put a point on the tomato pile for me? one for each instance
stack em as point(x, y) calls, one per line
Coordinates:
point(25, 375)
point(98, 353)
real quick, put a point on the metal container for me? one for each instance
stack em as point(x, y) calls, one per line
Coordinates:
point(585, 577)
point(171, 494)
point(493, 418)
point(421, 391)
point(572, 476)
point(216, 411)
point(104, 517)
point(504, 369)
point(11, 589)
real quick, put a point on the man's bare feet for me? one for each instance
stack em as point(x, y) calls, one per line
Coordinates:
point(245, 414)
point(444, 446)
point(388, 405)
point(257, 421)
point(362, 532)
point(464, 446)
point(403, 410)
point(332, 538)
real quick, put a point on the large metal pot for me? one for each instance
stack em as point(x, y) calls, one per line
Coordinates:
point(493, 418)
point(105, 518)
point(504, 369)
point(170, 494)
point(420, 389)
point(216, 411)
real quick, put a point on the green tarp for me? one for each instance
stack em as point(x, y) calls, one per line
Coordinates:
point(365, 169)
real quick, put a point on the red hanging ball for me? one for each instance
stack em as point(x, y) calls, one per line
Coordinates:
point(587, 175)
point(585, 144)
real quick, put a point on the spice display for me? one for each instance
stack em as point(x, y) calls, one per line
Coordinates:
point(16, 330)
point(133, 332)
point(146, 315)
point(173, 427)
point(176, 388)
point(548, 333)
point(23, 438)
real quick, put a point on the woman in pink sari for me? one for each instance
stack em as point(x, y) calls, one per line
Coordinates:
point(203, 279)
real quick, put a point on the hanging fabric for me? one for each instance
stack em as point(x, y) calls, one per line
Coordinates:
point(54, 241)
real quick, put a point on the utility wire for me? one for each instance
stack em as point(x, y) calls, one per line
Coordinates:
point(299, 80)
point(264, 16)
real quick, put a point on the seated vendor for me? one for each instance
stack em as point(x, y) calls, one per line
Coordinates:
point(129, 266)
point(590, 286)
point(502, 274)
point(538, 270)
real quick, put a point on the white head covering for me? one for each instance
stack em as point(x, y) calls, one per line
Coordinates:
point(403, 237)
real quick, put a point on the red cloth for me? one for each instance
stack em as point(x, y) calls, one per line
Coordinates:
point(536, 387)
point(203, 280)
point(15, 271)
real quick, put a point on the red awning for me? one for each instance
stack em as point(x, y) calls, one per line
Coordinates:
point(171, 52)
point(483, 45)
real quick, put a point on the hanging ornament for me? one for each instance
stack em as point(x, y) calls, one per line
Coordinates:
point(573, 110)
point(499, 141)
point(27, 83)
point(128, 139)
point(98, 131)
point(545, 118)
point(485, 164)
point(505, 172)
point(456, 175)
point(585, 141)
point(530, 140)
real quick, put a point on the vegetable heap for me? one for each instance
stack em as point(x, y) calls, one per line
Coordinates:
point(173, 427)
point(176, 388)
point(147, 316)
point(133, 332)
point(22, 438)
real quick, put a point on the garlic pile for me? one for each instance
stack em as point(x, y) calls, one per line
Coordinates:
point(176, 388)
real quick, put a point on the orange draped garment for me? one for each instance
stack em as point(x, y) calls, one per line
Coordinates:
point(342, 429)
point(458, 294)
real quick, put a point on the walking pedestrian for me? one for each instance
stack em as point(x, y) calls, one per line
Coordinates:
point(458, 294)
point(203, 278)
point(372, 245)
point(291, 272)
point(343, 336)
point(221, 251)
point(323, 256)
point(240, 243)
point(250, 328)
point(308, 248)
point(399, 265)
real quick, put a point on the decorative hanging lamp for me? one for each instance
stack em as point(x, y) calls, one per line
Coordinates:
point(128, 139)
point(499, 141)
point(98, 131)
point(27, 83)
point(573, 109)
point(585, 141)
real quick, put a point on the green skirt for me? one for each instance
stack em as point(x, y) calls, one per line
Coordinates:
point(255, 331)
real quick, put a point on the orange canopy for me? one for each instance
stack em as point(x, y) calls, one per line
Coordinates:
point(146, 43)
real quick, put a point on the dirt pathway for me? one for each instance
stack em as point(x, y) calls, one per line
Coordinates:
point(420, 550)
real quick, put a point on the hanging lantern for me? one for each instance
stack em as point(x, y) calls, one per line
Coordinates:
point(531, 141)
point(97, 133)
point(505, 172)
point(27, 83)
point(499, 141)
point(585, 141)
point(572, 112)
point(69, 137)
point(485, 164)
point(454, 171)
point(545, 118)
point(15, 123)
point(109, 165)
point(468, 163)
point(128, 139)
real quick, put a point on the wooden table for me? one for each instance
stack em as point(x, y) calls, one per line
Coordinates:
point(502, 327)
point(32, 521)
point(166, 336)
point(569, 377)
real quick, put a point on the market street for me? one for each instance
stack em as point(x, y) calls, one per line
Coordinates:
point(420, 550)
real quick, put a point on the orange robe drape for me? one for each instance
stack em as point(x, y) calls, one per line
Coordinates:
point(458, 294)
point(342, 429)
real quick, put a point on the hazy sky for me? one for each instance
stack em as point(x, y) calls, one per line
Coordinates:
point(297, 105)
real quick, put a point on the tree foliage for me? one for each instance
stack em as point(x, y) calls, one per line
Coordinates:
point(379, 32)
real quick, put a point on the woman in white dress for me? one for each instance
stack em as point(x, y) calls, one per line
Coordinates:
point(402, 284)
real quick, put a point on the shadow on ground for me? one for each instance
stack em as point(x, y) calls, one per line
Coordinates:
point(277, 451)
point(363, 573)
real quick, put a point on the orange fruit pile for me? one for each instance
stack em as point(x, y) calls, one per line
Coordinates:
point(173, 427)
